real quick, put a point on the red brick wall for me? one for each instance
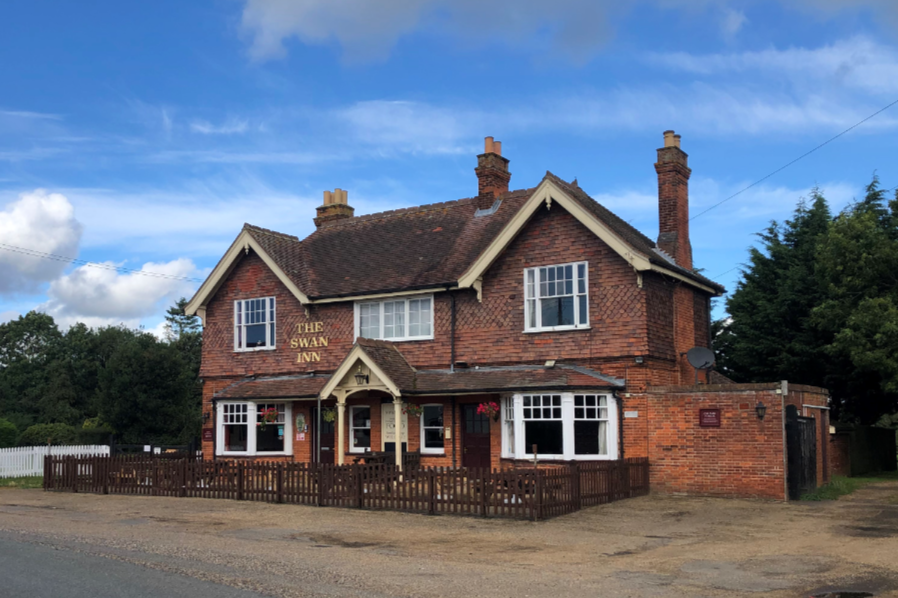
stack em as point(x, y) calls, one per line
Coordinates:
point(744, 457)
point(839, 454)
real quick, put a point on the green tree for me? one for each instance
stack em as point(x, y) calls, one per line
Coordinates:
point(145, 392)
point(767, 335)
point(8, 433)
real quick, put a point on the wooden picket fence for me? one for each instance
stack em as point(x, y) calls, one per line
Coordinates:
point(29, 460)
point(521, 493)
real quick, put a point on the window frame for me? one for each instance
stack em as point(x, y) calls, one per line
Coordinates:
point(433, 451)
point(270, 335)
point(352, 447)
point(252, 413)
point(406, 300)
point(520, 451)
point(577, 325)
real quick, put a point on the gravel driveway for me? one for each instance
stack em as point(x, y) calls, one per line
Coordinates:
point(650, 546)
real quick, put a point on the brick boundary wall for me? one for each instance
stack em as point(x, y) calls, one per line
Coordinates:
point(839, 454)
point(744, 457)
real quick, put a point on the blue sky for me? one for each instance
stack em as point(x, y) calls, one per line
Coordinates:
point(143, 135)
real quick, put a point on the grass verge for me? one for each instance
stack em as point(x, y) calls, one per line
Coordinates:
point(841, 485)
point(26, 482)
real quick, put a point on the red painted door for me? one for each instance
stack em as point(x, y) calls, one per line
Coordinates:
point(475, 438)
point(327, 439)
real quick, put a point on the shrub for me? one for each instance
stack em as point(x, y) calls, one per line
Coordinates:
point(94, 435)
point(41, 434)
point(8, 433)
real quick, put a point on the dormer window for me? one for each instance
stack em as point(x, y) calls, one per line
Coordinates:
point(556, 297)
point(401, 319)
point(254, 324)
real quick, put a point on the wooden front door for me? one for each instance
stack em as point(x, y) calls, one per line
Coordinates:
point(475, 438)
point(327, 439)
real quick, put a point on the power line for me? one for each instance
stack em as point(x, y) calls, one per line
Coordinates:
point(805, 155)
point(72, 260)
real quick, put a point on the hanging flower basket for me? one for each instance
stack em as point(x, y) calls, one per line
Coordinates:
point(413, 410)
point(329, 414)
point(490, 409)
point(269, 416)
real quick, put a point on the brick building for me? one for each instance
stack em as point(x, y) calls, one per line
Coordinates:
point(540, 302)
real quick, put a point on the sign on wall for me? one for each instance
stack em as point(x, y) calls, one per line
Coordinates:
point(709, 418)
point(388, 424)
point(310, 339)
point(208, 434)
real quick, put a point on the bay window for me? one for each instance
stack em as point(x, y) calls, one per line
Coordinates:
point(432, 429)
point(241, 430)
point(562, 426)
point(254, 321)
point(556, 297)
point(401, 319)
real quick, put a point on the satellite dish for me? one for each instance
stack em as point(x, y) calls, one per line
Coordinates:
point(701, 358)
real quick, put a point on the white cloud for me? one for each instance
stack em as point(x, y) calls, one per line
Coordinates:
point(731, 22)
point(231, 126)
point(39, 221)
point(857, 63)
point(368, 30)
point(412, 127)
point(577, 28)
point(102, 297)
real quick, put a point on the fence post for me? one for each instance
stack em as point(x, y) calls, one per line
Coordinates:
point(431, 485)
point(239, 480)
point(104, 471)
point(359, 482)
point(280, 483)
point(537, 494)
point(484, 480)
point(575, 486)
point(183, 492)
point(320, 478)
point(73, 474)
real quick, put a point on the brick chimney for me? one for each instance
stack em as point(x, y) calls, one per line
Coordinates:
point(335, 207)
point(673, 201)
point(492, 174)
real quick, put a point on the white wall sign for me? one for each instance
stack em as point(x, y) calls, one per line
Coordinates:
point(631, 414)
point(388, 424)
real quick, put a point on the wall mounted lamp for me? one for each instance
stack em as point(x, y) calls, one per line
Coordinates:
point(360, 378)
point(761, 409)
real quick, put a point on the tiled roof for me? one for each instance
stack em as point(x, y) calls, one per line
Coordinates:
point(282, 387)
point(421, 247)
point(511, 378)
point(388, 358)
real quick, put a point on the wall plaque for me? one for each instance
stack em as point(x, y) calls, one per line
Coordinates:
point(208, 434)
point(631, 414)
point(709, 418)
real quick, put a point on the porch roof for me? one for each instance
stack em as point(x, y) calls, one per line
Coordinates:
point(510, 378)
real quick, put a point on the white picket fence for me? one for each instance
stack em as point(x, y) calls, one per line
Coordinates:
point(29, 460)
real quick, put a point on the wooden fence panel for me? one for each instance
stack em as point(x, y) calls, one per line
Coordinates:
point(522, 493)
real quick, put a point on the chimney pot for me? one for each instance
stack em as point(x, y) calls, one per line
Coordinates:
point(497, 147)
point(336, 207)
point(669, 140)
point(487, 145)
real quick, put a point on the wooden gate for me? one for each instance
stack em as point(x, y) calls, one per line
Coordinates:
point(801, 448)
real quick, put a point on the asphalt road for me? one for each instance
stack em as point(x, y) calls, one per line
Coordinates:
point(33, 571)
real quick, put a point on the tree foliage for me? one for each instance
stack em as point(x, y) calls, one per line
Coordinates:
point(124, 381)
point(8, 433)
point(818, 304)
point(40, 434)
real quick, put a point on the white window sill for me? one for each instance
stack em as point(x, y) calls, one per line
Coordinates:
point(257, 454)
point(252, 349)
point(402, 340)
point(433, 453)
point(557, 329)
